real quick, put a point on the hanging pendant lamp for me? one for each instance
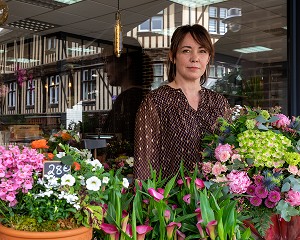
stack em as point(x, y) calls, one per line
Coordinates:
point(118, 43)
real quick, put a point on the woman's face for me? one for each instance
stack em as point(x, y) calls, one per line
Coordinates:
point(191, 59)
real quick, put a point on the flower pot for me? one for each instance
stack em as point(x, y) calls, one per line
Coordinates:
point(81, 233)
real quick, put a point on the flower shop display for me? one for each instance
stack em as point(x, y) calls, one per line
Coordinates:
point(257, 155)
point(33, 200)
point(187, 208)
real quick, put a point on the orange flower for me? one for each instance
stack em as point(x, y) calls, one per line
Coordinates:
point(76, 166)
point(66, 136)
point(50, 156)
point(39, 144)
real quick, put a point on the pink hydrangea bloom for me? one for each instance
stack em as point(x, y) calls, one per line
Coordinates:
point(223, 152)
point(293, 169)
point(238, 182)
point(293, 197)
point(283, 121)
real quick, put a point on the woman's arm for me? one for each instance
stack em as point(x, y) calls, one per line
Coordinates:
point(147, 140)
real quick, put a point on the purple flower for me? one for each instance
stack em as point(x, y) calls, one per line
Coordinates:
point(261, 192)
point(258, 180)
point(251, 190)
point(187, 198)
point(156, 195)
point(274, 196)
point(270, 204)
point(255, 201)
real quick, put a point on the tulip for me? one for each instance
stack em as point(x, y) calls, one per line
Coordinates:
point(210, 229)
point(161, 191)
point(142, 230)
point(129, 230)
point(124, 221)
point(198, 225)
point(170, 229)
point(199, 184)
point(156, 195)
point(180, 182)
point(187, 198)
point(180, 235)
point(167, 215)
point(199, 215)
point(111, 230)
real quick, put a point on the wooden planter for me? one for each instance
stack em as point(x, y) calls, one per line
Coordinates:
point(81, 233)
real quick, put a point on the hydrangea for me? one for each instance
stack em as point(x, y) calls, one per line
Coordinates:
point(283, 121)
point(293, 198)
point(250, 123)
point(238, 182)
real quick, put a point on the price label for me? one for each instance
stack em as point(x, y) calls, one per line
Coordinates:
point(56, 168)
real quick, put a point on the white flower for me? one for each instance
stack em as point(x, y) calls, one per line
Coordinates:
point(93, 183)
point(81, 178)
point(60, 154)
point(67, 179)
point(71, 198)
point(125, 183)
point(48, 193)
point(129, 161)
point(96, 163)
point(105, 180)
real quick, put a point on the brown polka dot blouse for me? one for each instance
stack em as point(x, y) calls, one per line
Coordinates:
point(168, 130)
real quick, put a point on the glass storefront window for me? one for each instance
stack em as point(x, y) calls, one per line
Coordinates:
point(73, 68)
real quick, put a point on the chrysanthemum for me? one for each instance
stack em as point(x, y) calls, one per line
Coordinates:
point(270, 204)
point(251, 190)
point(255, 201)
point(274, 196)
point(261, 192)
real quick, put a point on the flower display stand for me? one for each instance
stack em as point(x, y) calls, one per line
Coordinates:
point(81, 233)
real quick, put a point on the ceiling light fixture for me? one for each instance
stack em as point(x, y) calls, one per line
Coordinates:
point(254, 49)
point(3, 12)
point(197, 3)
point(118, 45)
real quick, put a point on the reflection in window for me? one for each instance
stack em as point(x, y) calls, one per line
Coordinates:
point(158, 74)
point(12, 95)
point(30, 93)
point(145, 26)
point(53, 89)
point(89, 85)
point(216, 17)
point(153, 24)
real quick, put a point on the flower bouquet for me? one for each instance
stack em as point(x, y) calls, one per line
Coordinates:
point(67, 194)
point(256, 154)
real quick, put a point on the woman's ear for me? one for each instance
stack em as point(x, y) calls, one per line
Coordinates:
point(171, 58)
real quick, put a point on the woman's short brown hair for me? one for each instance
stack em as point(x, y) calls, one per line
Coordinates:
point(201, 36)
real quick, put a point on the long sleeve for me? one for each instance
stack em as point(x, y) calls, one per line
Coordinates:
point(147, 140)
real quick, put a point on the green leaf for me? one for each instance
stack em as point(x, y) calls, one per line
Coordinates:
point(286, 187)
point(206, 210)
point(67, 160)
point(260, 119)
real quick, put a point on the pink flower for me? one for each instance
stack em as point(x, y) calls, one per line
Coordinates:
point(210, 229)
point(293, 169)
point(207, 167)
point(255, 201)
point(236, 157)
point(283, 121)
point(170, 229)
point(261, 192)
point(180, 235)
point(293, 197)
point(223, 152)
point(251, 190)
point(167, 215)
point(270, 204)
point(218, 168)
point(187, 198)
point(199, 183)
point(238, 182)
point(258, 179)
point(274, 196)
point(111, 230)
point(142, 230)
point(156, 195)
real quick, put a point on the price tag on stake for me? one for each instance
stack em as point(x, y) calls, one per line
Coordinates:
point(56, 168)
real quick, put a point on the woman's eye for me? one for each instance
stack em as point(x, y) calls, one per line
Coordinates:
point(203, 51)
point(185, 50)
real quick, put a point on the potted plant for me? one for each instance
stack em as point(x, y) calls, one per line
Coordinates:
point(256, 153)
point(68, 196)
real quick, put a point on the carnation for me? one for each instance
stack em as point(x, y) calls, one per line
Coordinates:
point(238, 182)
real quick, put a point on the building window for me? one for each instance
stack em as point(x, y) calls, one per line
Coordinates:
point(30, 93)
point(153, 24)
point(216, 23)
point(12, 94)
point(53, 89)
point(51, 43)
point(212, 71)
point(89, 85)
point(158, 75)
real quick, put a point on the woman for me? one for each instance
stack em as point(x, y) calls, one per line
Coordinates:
point(173, 119)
